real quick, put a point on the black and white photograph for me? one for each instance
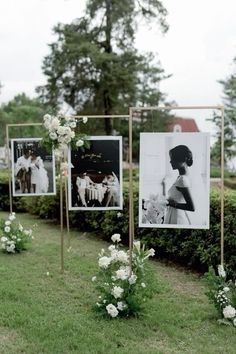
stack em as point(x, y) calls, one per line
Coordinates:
point(174, 180)
point(95, 175)
point(33, 168)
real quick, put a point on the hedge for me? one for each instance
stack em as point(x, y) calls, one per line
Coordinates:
point(197, 249)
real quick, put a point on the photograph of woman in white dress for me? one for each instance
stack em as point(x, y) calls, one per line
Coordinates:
point(174, 180)
point(179, 197)
point(33, 168)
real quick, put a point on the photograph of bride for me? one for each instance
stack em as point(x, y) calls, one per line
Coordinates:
point(174, 180)
point(33, 168)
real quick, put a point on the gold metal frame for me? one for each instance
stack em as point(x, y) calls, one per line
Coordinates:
point(170, 108)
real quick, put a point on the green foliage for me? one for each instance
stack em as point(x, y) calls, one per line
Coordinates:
point(94, 67)
point(122, 292)
point(21, 109)
point(14, 238)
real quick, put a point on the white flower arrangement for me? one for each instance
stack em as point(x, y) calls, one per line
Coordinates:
point(122, 290)
point(61, 131)
point(13, 237)
point(223, 294)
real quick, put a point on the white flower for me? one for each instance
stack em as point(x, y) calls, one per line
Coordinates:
point(94, 278)
point(234, 322)
point(143, 285)
point(20, 227)
point(47, 117)
point(4, 239)
point(226, 289)
point(119, 214)
point(132, 279)
point(28, 232)
point(53, 136)
point(122, 256)
point(12, 216)
point(3, 246)
point(112, 248)
point(79, 143)
point(221, 271)
point(117, 291)
point(7, 229)
point(73, 124)
point(229, 311)
point(85, 119)
point(19, 239)
point(14, 237)
point(55, 124)
point(104, 262)
point(151, 252)
point(58, 153)
point(112, 310)
point(121, 305)
point(8, 222)
point(122, 273)
point(98, 304)
point(116, 238)
point(47, 274)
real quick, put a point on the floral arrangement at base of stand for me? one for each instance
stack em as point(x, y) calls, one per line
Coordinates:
point(13, 237)
point(222, 293)
point(62, 130)
point(122, 292)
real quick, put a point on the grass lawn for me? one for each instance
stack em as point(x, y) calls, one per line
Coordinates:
point(52, 314)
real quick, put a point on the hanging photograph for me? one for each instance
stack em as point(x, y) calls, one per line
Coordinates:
point(174, 180)
point(33, 168)
point(95, 175)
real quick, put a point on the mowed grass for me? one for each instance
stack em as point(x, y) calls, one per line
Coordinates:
point(52, 314)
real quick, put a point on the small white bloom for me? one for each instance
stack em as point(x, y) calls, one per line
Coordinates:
point(98, 304)
point(234, 322)
point(79, 143)
point(112, 310)
point(229, 312)
point(73, 124)
point(104, 262)
point(8, 222)
point(116, 238)
point(53, 136)
point(20, 227)
point(117, 291)
point(94, 278)
point(226, 289)
point(55, 123)
point(119, 214)
point(122, 257)
point(19, 239)
point(7, 229)
point(137, 245)
point(221, 271)
point(47, 117)
point(4, 239)
point(14, 237)
point(12, 216)
point(143, 285)
point(112, 247)
point(151, 252)
point(85, 119)
point(121, 305)
point(122, 273)
point(132, 279)
point(47, 274)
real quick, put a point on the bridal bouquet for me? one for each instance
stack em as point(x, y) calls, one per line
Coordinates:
point(122, 283)
point(154, 209)
point(62, 130)
point(13, 237)
point(223, 294)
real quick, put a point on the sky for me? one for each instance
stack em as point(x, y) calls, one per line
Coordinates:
point(198, 49)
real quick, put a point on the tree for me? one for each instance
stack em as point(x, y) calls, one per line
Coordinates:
point(21, 109)
point(94, 67)
point(229, 90)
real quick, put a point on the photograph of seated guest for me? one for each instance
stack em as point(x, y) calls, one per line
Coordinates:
point(96, 175)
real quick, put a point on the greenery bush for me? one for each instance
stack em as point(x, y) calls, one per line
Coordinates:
point(197, 249)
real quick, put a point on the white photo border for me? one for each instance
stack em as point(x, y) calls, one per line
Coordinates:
point(14, 194)
point(102, 208)
point(206, 136)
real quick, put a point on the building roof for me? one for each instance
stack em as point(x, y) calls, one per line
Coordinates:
point(183, 125)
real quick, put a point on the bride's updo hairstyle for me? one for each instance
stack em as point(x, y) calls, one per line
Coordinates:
point(181, 153)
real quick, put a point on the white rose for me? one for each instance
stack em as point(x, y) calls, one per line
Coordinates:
point(104, 262)
point(79, 143)
point(7, 229)
point(53, 136)
point(72, 134)
point(112, 310)
point(121, 305)
point(229, 311)
point(132, 279)
point(55, 123)
point(112, 248)
point(85, 119)
point(116, 238)
point(73, 124)
point(221, 271)
point(117, 291)
point(122, 273)
point(61, 130)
